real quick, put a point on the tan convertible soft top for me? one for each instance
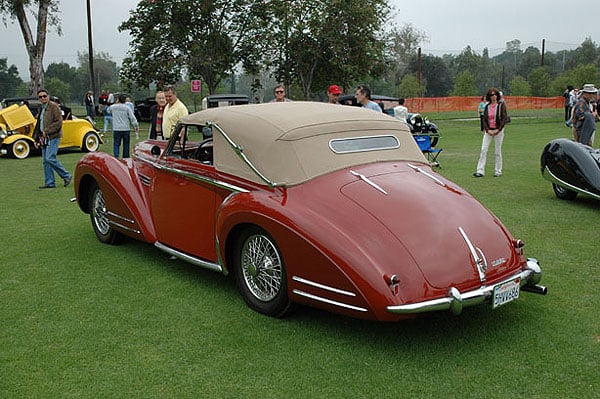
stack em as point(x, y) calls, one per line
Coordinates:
point(289, 143)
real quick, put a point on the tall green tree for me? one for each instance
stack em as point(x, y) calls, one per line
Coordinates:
point(105, 69)
point(539, 81)
point(402, 48)
point(65, 73)
point(204, 39)
point(465, 85)
point(519, 87)
point(44, 11)
point(313, 43)
point(9, 79)
point(435, 75)
point(409, 87)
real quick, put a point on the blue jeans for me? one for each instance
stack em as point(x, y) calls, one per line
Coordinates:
point(51, 163)
point(107, 121)
point(119, 135)
point(89, 111)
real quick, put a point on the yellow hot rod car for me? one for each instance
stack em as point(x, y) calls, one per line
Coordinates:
point(16, 133)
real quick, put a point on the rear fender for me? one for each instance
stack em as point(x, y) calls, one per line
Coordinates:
point(74, 131)
point(311, 263)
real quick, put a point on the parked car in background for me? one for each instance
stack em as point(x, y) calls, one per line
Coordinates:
point(33, 103)
point(142, 108)
point(224, 100)
point(17, 124)
point(309, 203)
point(572, 168)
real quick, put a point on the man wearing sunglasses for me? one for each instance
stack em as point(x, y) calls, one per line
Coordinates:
point(279, 93)
point(48, 131)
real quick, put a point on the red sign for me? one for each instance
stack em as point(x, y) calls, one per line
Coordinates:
point(196, 86)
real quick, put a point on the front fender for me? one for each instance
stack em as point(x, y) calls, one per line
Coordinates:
point(14, 137)
point(124, 196)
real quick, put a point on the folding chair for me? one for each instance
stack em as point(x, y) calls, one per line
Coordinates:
point(424, 143)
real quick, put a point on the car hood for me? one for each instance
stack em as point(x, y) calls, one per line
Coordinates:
point(441, 226)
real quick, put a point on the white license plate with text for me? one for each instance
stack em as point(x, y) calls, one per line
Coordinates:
point(506, 292)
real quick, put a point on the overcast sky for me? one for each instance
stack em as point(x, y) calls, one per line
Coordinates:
point(450, 26)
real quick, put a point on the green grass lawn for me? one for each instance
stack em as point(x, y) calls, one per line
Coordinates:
point(80, 319)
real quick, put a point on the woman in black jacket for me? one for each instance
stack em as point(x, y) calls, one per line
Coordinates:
point(495, 117)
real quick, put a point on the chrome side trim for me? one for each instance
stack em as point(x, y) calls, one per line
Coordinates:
point(368, 181)
point(455, 301)
point(418, 169)
point(322, 286)
point(554, 179)
point(328, 301)
point(194, 176)
point(188, 258)
point(123, 218)
point(145, 180)
point(122, 226)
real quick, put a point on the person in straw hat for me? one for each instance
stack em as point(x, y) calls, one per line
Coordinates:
point(583, 121)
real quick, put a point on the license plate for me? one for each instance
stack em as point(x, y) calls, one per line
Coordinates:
point(506, 292)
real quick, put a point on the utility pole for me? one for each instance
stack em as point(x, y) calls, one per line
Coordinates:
point(90, 48)
point(419, 71)
point(543, 50)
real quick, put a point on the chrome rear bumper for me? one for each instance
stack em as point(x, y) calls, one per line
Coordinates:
point(456, 300)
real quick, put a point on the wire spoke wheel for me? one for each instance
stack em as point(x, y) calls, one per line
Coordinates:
point(99, 216)
point(260, 273)
point(99, 213)
point(261, 267)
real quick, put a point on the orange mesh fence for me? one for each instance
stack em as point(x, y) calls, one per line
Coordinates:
point(447, 104)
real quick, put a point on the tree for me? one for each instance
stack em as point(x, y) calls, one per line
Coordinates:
point(105, 70)
point(206, 40)
point(583, 74)
point(402, 49)
point(46, 12)
point(587, 53)
point(9, 79)
point(519, 87)
point(435, 75)
point(530, 60)
point(65, 73)
point(409, 87)
point(539, 81)
point(465, 85)
point(314, 43)
point(58, 88)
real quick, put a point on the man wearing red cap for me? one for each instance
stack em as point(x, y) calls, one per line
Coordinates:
point(333, 93)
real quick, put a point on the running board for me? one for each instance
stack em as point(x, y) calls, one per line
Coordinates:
point(188, 258)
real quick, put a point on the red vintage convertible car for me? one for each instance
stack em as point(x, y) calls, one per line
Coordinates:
point(309, 203)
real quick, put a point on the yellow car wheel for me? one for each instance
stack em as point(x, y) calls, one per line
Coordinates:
point(20, 149)
point(91, 142)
